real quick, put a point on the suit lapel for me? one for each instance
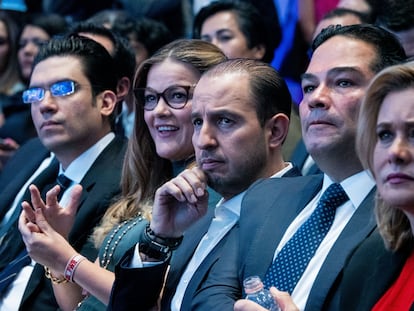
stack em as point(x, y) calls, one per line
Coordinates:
point(184, 253)
point(257, 245)
point(359, 227)
point(19, 178)
point(102, 172)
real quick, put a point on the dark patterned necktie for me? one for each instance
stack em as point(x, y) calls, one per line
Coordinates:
point(293, 258)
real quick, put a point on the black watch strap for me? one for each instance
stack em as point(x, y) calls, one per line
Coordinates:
point(155, 246)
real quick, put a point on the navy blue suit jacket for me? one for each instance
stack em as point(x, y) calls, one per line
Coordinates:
point(267, 210)
point(100, 185)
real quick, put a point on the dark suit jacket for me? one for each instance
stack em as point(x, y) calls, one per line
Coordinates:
point(100, 185)
point(125, 295)
point(18, 170)
point(299, 157)
point(260, 235)
point(371, 270)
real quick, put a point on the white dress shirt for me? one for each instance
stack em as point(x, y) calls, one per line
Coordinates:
point(227, 213)
point(75, 171)
point(357, 187)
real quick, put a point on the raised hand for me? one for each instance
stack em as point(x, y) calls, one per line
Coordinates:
point(43, 243)
point(179, 203)
point(59, 218)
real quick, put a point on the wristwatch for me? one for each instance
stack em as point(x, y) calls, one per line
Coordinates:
point(157, 247)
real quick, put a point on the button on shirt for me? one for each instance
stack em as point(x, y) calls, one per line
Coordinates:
point(357, 187)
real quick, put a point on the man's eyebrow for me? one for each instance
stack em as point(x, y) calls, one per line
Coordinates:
point(348, 69)
point(307, 76)
point(332, 72)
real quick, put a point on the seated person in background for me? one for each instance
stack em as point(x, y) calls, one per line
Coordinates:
point(367, 7)
point(10, 82)
point(380, 277)
point(145, 37)
point(159, 149)
point(239, 30)
point(18, 126)
point(72, 96)
point(238, 105)
point(398, 17)
point(121, 52)
point(340, 16)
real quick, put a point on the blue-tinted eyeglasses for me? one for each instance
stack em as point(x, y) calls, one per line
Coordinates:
point(58, 89)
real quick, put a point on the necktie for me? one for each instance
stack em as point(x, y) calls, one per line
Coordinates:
point(12, 245)
point(64, 183)
point(293, 258)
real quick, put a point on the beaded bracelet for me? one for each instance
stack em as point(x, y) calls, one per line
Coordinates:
point(54, 280)
point(71, 266)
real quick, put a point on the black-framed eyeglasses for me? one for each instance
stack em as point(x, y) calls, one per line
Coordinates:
point(176, 96)
point(57, 89)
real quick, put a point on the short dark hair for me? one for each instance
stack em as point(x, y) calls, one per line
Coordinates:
point(151, 33)
point(53, 24)
point(268, 90)
point(251, 24)
point(123, 55)
point(98, 65)
point(396, 15)
point(388, 48)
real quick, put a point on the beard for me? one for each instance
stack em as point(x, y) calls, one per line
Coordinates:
point(235, 181)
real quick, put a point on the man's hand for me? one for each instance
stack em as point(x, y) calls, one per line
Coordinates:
point(179, 203)
point(283, 299)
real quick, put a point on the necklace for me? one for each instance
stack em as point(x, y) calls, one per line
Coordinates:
point(109, 250)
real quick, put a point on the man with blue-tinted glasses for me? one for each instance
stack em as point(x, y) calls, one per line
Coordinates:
point(72, 97)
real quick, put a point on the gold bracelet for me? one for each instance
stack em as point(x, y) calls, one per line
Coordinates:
point(54, 280)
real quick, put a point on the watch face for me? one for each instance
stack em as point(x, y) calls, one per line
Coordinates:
point(154, 250)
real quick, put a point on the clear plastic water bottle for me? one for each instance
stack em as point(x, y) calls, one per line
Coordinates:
point(256, 292)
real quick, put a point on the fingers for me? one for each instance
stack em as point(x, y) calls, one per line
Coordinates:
point(36, 199)
point(247, 305)
point(52, 196)
point(189, 186)
point(284, 300)
point(25, 225)
point(29, 212)
point(41, 221)
point(74, 199)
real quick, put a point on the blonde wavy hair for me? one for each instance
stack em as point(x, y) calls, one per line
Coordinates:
point(393, 224)
point(143, 170)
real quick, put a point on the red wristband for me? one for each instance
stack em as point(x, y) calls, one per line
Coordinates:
point(71, 267)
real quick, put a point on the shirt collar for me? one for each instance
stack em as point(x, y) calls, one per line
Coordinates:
point(357, 186)
point(233, 205)
point(77, 168)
